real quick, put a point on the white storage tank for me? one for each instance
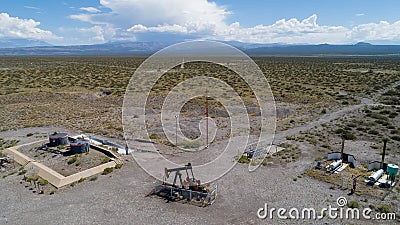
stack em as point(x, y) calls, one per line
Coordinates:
point(335, 165)
point(375, 176)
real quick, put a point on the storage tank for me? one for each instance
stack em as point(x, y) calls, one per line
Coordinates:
point(57, 139)
point(375, 176)
point(79, 146)
point(335, 165)
point(392, 169)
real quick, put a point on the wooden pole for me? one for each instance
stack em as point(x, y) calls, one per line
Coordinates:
point(341, 156)
point(207, 115)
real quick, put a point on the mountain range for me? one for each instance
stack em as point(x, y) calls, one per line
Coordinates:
point(147, 48)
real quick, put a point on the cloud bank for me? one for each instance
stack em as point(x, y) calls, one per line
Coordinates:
point(14, 27)
point(178, 20)
point(134, 19)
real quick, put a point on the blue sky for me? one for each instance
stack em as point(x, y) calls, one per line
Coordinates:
point(285, 21)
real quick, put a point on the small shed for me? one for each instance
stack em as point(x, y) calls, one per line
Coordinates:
point(376, 165)
point(57, 139)
point(79, 146)
point(347, 158)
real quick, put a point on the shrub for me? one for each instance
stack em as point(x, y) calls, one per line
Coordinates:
point(81, 180)
point(384, 112)
point(243, 159)
point(373, 132)
point(35, 177)
point(348, 136)
point(43, 182)
point(351, 125)
point(106, 160)
point(153, 136)
point(78, 163)
point(118, 166)
point(395, 132)
point(325, 145)
point(377, 116)
point(384, 209)
point(22, 172)
point(290, 138)
point(72, 160)
point(352, 204)
point(396, 138)
point(107, 171)
point(93, 178)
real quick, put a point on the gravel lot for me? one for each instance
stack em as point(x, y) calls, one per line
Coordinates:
point(119, 198)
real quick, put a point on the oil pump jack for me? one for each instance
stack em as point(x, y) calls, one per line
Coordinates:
point(188, 189)
point(189, 183)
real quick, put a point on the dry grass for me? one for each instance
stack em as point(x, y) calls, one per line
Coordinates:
point(67, 91)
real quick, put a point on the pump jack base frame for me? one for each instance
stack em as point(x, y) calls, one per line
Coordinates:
point(177, 194)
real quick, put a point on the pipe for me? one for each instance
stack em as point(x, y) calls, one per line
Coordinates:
point(383, 153)
point(335, 165)
point(375, 176)
point(341, 155)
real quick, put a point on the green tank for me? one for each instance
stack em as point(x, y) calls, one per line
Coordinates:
point(392, 169)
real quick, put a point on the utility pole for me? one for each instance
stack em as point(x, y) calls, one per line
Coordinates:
point(176, 130)
point(342, 150)
point(384, 152)
point(207, 115)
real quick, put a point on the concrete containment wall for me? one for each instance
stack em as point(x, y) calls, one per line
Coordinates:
point(53, 177)
point(17, 156)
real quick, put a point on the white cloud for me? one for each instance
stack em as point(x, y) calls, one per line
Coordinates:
point(360, 14)
point(377, 31)
point(182, 16)
point(130, 19)
point(90, 9)
point(283, 31)
point(31, 7)
point(287, 31)
point(96, 32)
point(139, 28)
point(83, 18)
point(14, 27)
point(156, 12)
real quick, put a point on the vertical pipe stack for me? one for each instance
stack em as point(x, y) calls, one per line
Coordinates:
point(383, 153)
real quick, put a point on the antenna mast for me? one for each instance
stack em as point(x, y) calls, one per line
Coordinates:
point(207, 114)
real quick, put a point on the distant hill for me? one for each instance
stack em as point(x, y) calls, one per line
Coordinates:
point(325, 49)
point(147, 48)
point(117, 48)
point(363, 44)
point(17, 43)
